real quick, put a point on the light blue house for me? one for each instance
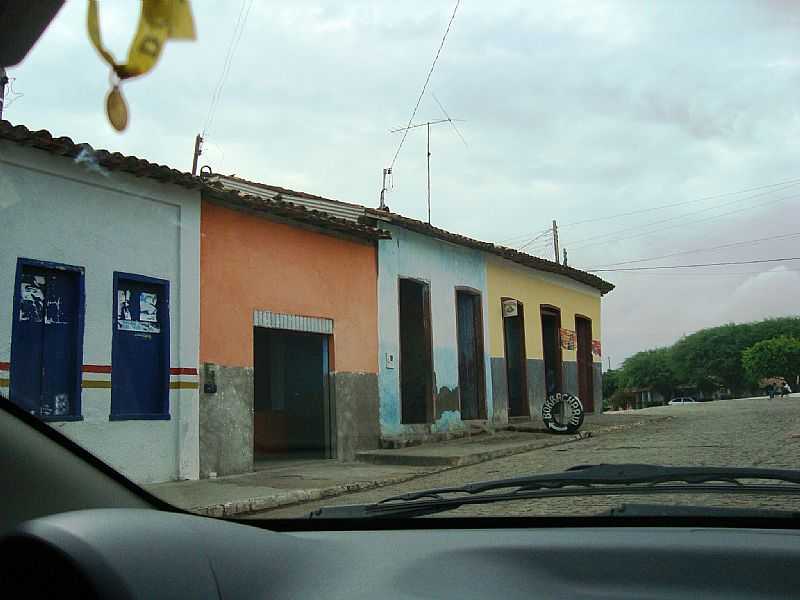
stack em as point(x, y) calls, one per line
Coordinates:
point(434, 366)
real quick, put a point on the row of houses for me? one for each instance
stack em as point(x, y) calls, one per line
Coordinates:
point(180, 326)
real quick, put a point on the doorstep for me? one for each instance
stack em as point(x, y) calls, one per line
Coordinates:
point(514, 438)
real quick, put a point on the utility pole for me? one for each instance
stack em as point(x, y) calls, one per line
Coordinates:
point(198, 150)
point(555, 238)
point(429, 172)
point(3, 82)
point(382, 205)
point(609, 363)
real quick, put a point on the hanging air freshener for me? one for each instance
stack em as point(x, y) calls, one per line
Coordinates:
point(159, 21)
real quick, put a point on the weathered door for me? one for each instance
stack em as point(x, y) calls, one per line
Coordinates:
point(551, 350)
point(583, 329)
point(514, 333)
point(140, 348)
point(305, 393)
point(470, 355)
point(46, 337)
point(416, 364)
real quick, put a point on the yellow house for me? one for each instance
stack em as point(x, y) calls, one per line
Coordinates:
point(544, 334)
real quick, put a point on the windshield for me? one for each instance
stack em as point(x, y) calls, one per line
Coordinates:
point(264, 259)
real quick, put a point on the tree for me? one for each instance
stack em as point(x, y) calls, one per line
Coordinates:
point(610, 382)
point(778, 357)
point(651, 368)
point(714, 355)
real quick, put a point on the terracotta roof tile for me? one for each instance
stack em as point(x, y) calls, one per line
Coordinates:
point(114, 161)
point(521, 258)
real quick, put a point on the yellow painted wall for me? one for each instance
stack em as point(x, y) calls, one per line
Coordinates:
point(505, 279)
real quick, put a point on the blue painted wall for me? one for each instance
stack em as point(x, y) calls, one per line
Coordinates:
point(444, 266)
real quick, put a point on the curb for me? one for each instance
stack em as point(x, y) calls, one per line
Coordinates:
point(290, 497)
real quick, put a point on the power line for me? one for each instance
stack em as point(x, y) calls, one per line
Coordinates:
point(681, 216)
point(546, 234)
point(718, 264)
point(707, 249)
point(236, 36)
point(522, 236)
point(659, 229)
point(427, 80)
point(788, 183)
point(690, 274)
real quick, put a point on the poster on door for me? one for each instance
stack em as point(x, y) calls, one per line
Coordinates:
point(567, 339)
point(31, 298)
point(146, 320)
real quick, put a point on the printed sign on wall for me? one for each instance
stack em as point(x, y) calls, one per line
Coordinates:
point(596, 348)
point(567, 339)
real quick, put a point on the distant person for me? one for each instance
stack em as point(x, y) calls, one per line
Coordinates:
point(771, 391)
point(785, 389)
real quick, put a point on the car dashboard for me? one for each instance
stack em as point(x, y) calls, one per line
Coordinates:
point(140, 553)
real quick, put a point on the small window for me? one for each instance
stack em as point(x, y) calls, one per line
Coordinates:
point(140, 348)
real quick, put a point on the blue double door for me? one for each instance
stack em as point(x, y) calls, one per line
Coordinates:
point(46, 340)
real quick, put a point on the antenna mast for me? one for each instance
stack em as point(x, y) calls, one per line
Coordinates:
point(427, 125)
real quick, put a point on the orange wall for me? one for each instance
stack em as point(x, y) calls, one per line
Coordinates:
point(249, 263)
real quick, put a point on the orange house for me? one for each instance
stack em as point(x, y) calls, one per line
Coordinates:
point(288, 333)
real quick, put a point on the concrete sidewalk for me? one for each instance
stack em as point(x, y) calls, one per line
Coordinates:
point(283, 482)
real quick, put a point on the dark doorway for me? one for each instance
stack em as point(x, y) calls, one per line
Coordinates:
point(469, 329)
point(416, 365)
point(583, 329)
point(290, 394)
point(551, 347)
point(514, 334)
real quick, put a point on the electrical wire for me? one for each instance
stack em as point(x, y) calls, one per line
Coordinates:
point(706, 249)
point(236, 36)
point(697, 265)
point(522, 236)
point(691, 274)
point(660, 229)
point(788, 183)
point(425, 86)
point(530, 242)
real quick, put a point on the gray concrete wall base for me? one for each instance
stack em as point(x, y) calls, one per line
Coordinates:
point(226, 421)
point(597, 384)
point(536, 386)
point(499, 390)
point(570, 377)
point(355, 398)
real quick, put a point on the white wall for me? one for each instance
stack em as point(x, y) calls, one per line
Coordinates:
point(54, 209)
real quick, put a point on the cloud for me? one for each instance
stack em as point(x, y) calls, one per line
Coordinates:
point(574, 111)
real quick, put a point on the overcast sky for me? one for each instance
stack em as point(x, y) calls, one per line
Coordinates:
point(573, 111)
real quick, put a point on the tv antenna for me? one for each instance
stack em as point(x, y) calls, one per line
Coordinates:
point(427, 125)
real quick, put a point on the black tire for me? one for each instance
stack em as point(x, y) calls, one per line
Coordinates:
point(551, 419)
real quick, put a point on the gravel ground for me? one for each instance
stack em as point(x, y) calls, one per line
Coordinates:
point(753, 432)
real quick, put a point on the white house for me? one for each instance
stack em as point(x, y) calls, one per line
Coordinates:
point(99, 318)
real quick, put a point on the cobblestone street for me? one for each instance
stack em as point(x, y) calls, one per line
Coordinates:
point(752, 432)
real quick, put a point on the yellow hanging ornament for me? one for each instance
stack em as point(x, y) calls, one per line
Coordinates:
point(159, 21)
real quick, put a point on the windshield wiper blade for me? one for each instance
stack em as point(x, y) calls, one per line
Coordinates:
point(669, 510)
point(581, 480)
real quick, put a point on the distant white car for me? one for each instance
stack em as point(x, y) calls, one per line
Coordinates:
point(682, 400)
